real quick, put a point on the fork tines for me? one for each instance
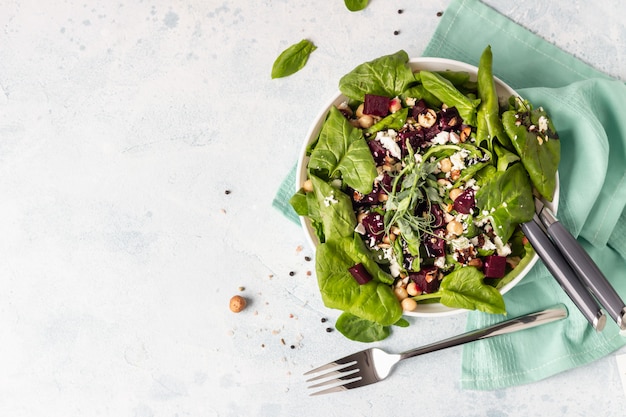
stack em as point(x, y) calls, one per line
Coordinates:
point(339, 375)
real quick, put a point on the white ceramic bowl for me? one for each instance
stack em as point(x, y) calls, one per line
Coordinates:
point(429, 64)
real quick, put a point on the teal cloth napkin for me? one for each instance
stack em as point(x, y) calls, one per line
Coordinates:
point(585, 106)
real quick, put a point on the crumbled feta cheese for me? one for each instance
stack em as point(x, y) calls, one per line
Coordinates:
point(441, 138)
point(328, 200)
point(440, 262)
point(410, 101)
point(454, 137)
point(388, 140)
point(489, 245)
point(502, 249)
point(543, 124)
point(460, 243)
point(360, 229)
point(458, 159)
point(418, 158)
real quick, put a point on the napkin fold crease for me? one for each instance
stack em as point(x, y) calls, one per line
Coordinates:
point(585, 106)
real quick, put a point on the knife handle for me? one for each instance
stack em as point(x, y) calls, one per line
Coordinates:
point(563, 273)
point(585, 268)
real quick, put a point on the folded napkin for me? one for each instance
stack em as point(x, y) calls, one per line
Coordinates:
point(585, 106)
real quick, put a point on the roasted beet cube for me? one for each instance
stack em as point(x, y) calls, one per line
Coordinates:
point(374, 226)
point(494, 266)
point(435, 244)
point(365, 199)
point(376, 105)
point(464, 203)
point(415, 137)
point(360, 274)
point(378, 151)
point(449, 119)
point(427, 279)
point(419, 108)
point(436, 215)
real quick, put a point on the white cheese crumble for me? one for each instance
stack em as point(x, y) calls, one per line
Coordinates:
point(388, 140)
point(360, 229)
point(458, 159)
point(441, 138)
point(502, 249)
point(328, 200)
point(543, 124)
point(460, 243)
point(394, 266)
point(440, 262)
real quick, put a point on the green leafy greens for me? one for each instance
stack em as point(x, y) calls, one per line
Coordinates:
point(292, 59)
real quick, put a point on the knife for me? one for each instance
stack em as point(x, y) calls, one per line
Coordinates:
point(582, 264)
point(563, 273)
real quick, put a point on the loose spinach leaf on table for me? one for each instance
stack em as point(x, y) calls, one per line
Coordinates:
point(361, 330)
point(387, 76)
point(374, 301)
point(507, 198)
point(341, 150)
point(356, 5)
point(292, 59)
point(464, 288)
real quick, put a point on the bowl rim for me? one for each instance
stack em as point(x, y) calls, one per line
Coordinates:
point(428, 309)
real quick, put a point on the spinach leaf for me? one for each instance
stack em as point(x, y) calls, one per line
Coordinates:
point(464, 288)
point(506, 198)
point(419, 92)
point(356, 5)
point(299, 203)
point(445, 91)
point(386, 76)
point(335, 210)
point(537, 144)
point(489, 104)
point(393, 121)
point(342, 150)
point(292, 59)
point(505, 157)
point(373, 301)
point(360, 330)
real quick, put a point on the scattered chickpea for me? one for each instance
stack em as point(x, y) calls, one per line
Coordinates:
point(445, 165)
point(307, 186)
point(455, 192)
point(366, 121)
point(394, 105)
point(359, 111)
point(237, 303)
point(411, 289)
point(455, 174)
point(400, 293)
point(455, 228)
point(408, 304)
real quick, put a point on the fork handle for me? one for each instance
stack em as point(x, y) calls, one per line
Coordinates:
point(508, 326)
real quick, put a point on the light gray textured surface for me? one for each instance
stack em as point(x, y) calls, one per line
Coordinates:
point(122, 124)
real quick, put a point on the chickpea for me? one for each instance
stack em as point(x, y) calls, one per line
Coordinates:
point(394, 105)
point(366, 121)
point(237, 303)
point(400, 293)
point(359, 111)
point(307, 186)
point(411, 289)
point(445, 165)
point(427, 119)
point(455, 192)
point(408, 304)
point(455, 228)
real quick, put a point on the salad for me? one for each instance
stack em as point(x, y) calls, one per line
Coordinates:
point(417, 185)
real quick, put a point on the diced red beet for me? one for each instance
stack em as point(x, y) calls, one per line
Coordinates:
point(415, 137)
point(376, 105)
point(360, 274)
point(365, 199)
point(374, 226)
point(435, 246)
point(437, 214)
point(494, 266)
point(464, 203)
point(419, 108)
point(378, 151)
point(449, 118)
point(426, 279)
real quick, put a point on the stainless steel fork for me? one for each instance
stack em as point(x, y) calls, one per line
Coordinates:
point(372, 365)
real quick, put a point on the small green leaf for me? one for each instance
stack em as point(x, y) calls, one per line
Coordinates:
point(360, 330)
point(356, 5)
point(292, 59)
